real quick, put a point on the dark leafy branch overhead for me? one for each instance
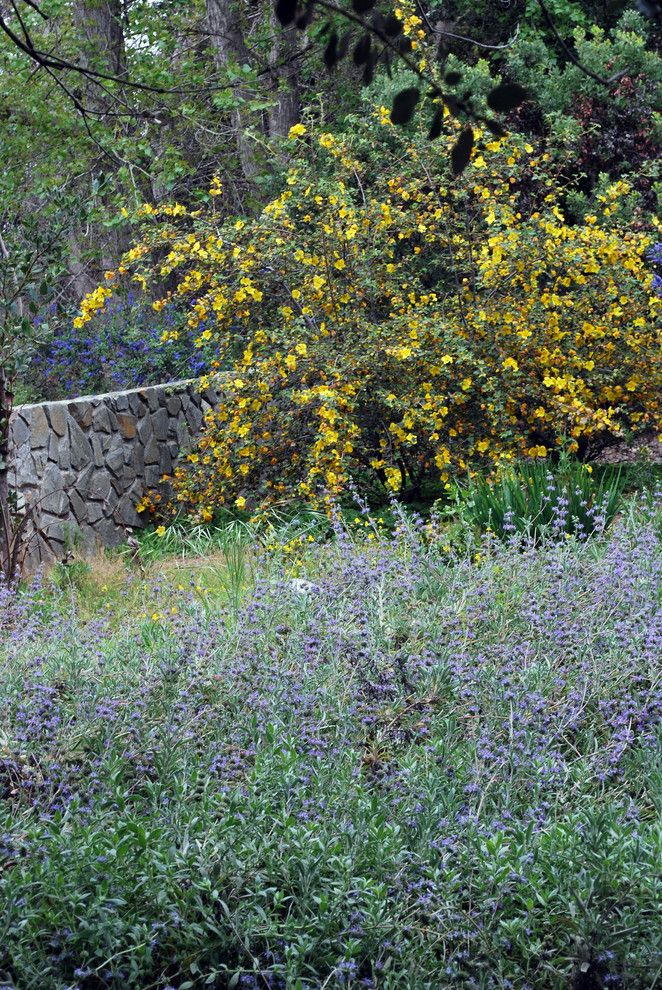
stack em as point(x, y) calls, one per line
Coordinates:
point(366, 32)
point(376, 37)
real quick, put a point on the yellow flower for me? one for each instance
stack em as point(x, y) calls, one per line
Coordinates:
point(510, 363)
point(240, 502)
point(160, 530)
point(298, 130)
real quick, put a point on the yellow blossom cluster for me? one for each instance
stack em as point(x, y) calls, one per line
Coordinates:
point(394, 324)
point(92, 303)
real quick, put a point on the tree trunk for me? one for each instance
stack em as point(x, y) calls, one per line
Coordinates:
point(100, 29)
point(229, 47)
point(6, 402)
point(284, 66)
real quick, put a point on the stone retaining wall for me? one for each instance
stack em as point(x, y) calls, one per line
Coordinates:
point(86, 462)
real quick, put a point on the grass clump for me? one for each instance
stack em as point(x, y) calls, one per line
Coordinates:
point(365, 768)
point(539, 501)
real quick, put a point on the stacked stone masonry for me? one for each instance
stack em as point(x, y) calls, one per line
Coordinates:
point(84, 464)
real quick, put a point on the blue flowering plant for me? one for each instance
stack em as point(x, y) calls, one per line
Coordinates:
point(352, 763)
point(655, 255)
point(122, 347)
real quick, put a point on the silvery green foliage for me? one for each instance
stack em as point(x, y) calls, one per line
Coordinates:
point(438, 770)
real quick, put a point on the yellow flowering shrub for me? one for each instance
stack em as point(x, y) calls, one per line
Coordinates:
point(384, 321)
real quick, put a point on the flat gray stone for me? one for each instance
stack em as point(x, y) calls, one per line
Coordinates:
point(136, 490)
point(160, 424)
point(82, 482)
point(101, 421)
point(109, 533)
point(80, 447)
point(52, 528)
point(193, 419)
point(99, 487)
point(165, 460)
point(173, 405)
point(57, 417)
point(77, 505)
point(126, 423)
point(39, 428)
point(128, 475)
point(138, 460)
point(125, 513)
point(183, 435)
point(82, 413)
point(94, 513)
point(64, 460)
point(136, 404)
point(19, 431)
point(152, 452)
point(152, 475)
point(152, 395)
point(54, 448)
point(115, 460)
point(52, 479)
point(35, 464)
point(97, 451)
point(57, 503)
point(145, 430)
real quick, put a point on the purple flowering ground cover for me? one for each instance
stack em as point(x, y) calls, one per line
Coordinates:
point(402, 768)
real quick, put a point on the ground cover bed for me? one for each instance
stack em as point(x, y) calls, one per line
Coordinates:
point(373, 761)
